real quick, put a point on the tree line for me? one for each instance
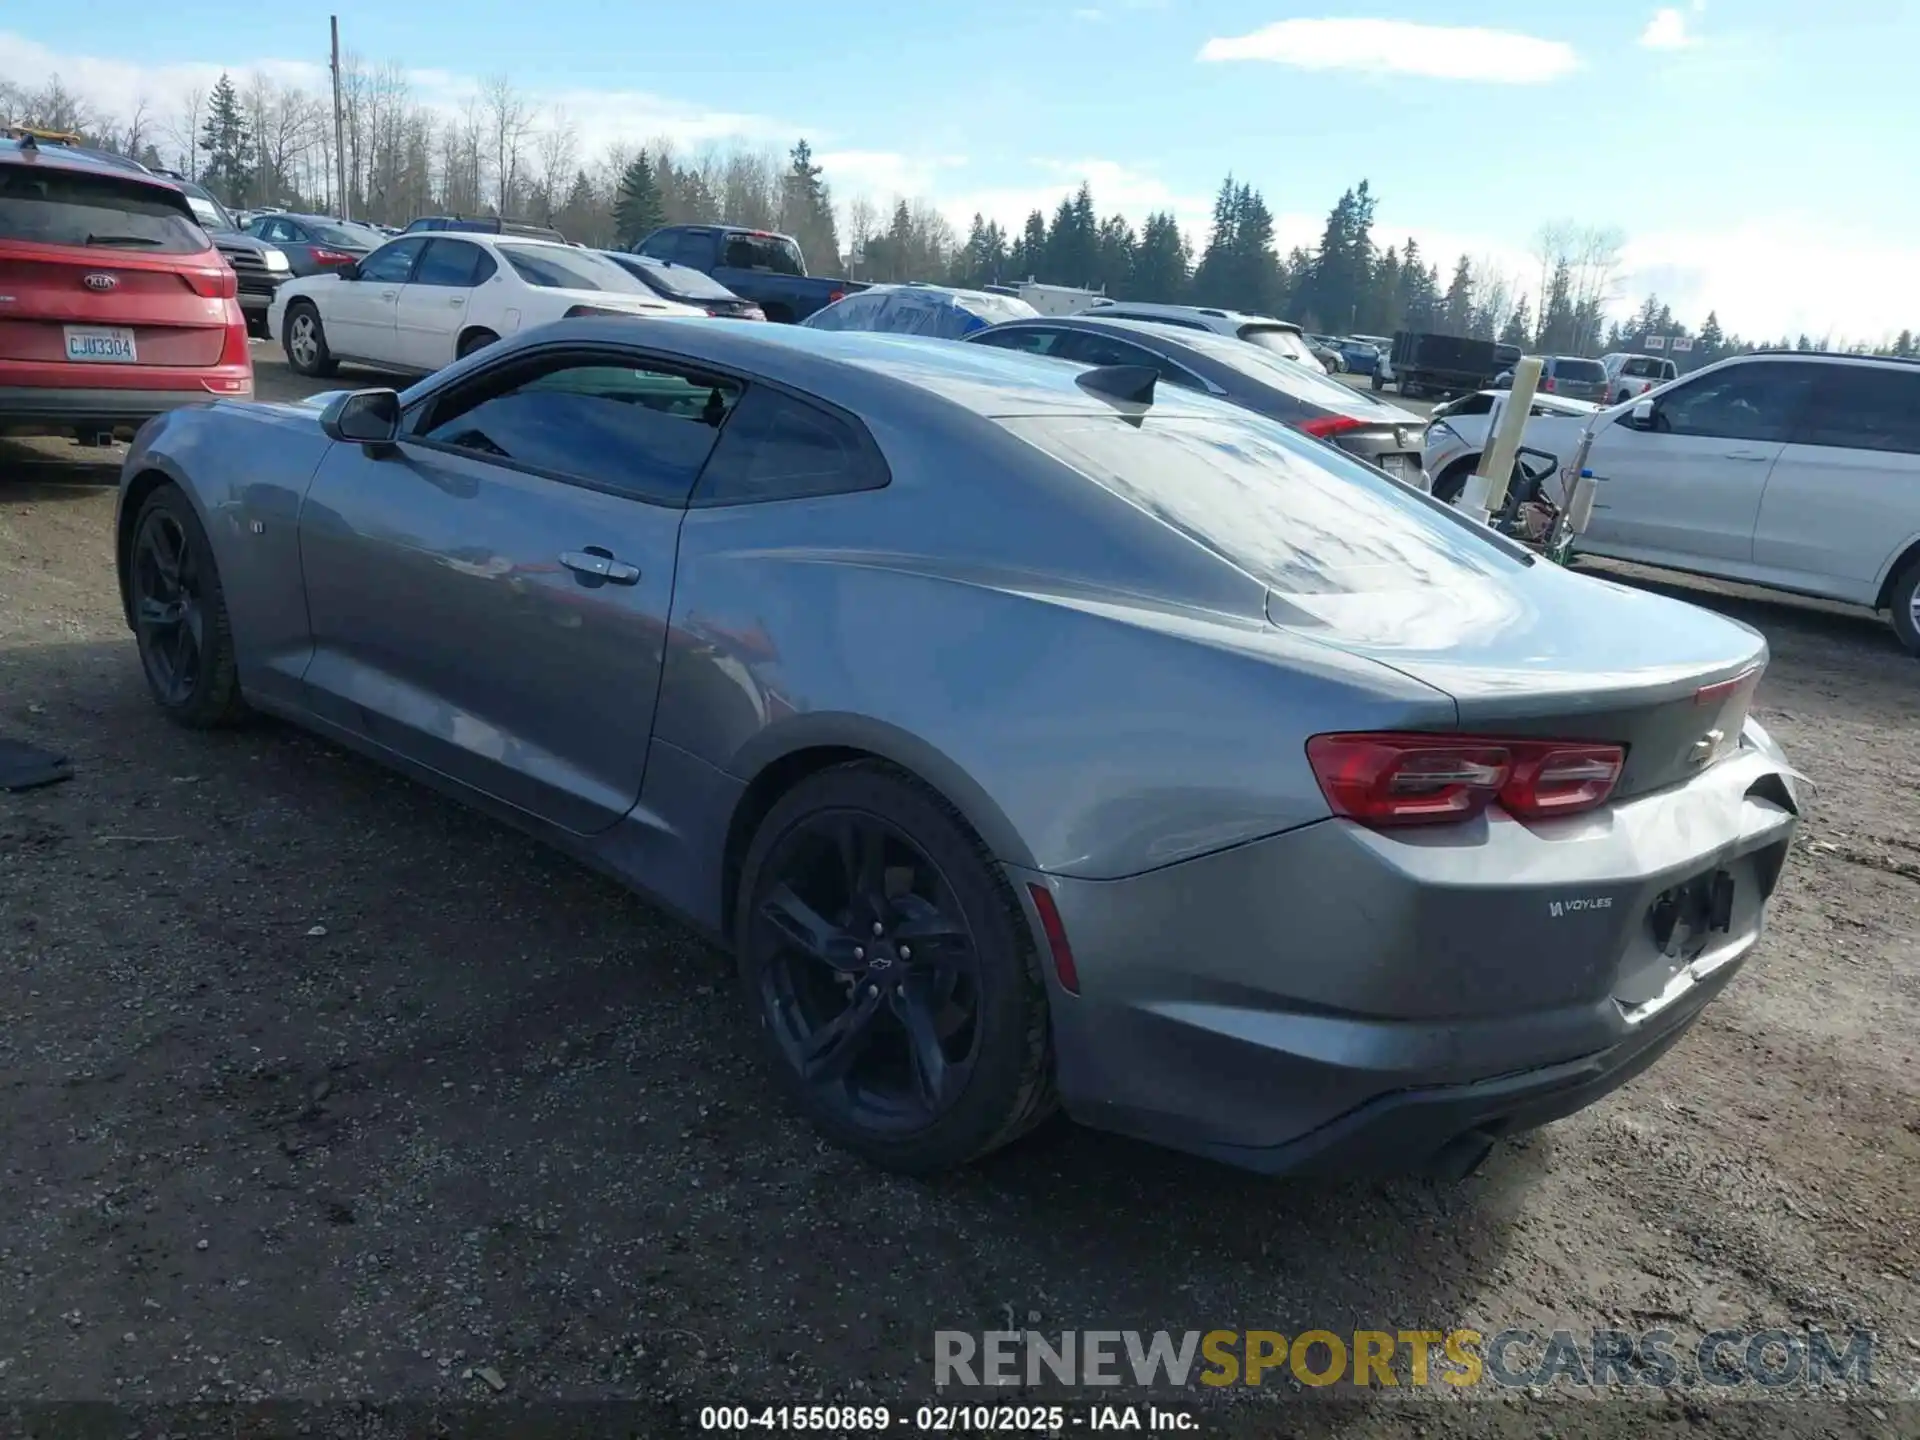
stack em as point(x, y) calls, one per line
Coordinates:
point(262, 142)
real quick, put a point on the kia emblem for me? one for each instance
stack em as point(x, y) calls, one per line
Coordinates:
point(100, 280)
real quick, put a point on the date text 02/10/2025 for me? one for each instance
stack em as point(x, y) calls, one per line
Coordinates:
point(948, 1419)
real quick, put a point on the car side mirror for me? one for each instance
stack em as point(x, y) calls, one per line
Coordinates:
point(1641, 416)
point(349, 271)
point(364, 417)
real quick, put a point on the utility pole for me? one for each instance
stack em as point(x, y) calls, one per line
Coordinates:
point(339, 127)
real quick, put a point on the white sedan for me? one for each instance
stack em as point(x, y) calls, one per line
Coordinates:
point(422, 301)
point(1457, 433)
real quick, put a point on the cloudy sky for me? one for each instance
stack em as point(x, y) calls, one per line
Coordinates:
point(1753, 151)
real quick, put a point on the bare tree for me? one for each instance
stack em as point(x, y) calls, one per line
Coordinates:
point(138, 132)
point(184, 129)
point(1594, 253)
point(509, 119)
point(1496, 294)
point(556, 151)
point(1552, 244)
point(862, 220)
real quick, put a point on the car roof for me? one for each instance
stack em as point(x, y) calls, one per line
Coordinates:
point(1242, 317)
point(80, 159)
point(862, 369)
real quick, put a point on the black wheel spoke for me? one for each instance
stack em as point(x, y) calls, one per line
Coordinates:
point(807, 931)
point(925, 1054)
point(863, 863)
point(157, 612)
point(923, 925)
point(829, 1052)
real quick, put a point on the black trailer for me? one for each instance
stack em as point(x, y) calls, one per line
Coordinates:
point(1422, 363)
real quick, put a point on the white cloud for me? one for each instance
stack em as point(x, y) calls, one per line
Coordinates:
point(1402, 47)
point(1667, 30)
point(600, 117)
point(884, 173)
point(1116, 188)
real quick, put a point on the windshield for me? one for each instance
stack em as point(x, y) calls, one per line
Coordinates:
point(1298, 516)
point(763, 252)
point(1279, 341)
point(211, 214)
point(556, 267)
point(60, 207)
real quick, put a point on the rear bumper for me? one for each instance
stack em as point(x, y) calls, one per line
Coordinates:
point(1341, 1001)
point(64, 408)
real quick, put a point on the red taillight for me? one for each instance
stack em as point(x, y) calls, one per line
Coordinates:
point(1393, 779)
point(220, 284)
point(323, 256)
point(835, 296)
point(1325, 427)
point(1546, 383)
point(1056, 934)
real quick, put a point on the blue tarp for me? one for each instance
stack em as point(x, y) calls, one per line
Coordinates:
point(920, 310)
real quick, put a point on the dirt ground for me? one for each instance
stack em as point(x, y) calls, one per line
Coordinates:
point(318, 1087)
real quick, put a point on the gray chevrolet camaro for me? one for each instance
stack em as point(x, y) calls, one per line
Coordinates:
point(1028, 735)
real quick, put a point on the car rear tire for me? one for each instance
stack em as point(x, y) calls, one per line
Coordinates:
point(306, 342)
point(917, 1063)
point(179, 613)
point(1905, 605)
point(475, 340)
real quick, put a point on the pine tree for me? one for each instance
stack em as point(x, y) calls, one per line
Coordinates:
point(1903, 347)
point(1712, 342)
point(1162, 262)
point(1519, 327)
point(1031, 253)
point(1213, 278)
point(806, 212)
point(228, 144)
point(638, 207)
point(1115, 250)
point(1456, 313)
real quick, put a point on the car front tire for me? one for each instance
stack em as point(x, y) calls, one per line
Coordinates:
point(1905, 605)
point(892, 972)
point(305, 342)
point(179, 613)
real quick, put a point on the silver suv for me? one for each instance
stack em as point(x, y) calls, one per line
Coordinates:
point(1800, 472)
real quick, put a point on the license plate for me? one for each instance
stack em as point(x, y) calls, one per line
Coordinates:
point(1399, 466)
point(111, 346)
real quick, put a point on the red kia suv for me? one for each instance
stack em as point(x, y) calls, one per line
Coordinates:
point(114, 304)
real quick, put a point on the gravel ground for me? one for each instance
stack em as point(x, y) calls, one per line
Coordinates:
point(319, 1087)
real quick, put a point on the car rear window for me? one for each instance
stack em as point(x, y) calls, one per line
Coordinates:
point(1298, 516)
point(1306, 382)
point(60, 207)
point(552, 267)
point(1279, 340)
point(681, 282)
point(1580, 371)
point(351, 237)
point(763, 252)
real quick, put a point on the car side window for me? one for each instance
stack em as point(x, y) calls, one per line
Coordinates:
point(1759, 402)
point(1032, 341)
point(447, 263)
point(392, 263)
point(484, 267)
point(641, 430)
point(1864, 407)
point(777, 447)
point(659, 247)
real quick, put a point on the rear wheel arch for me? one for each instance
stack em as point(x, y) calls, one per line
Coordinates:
point(1906, 558)
point(780, 314)
point(474, 337)
point(1451, 481)
point(777, 771)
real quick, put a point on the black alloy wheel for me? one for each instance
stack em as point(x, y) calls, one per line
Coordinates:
point(179, 615)
point(892, 972)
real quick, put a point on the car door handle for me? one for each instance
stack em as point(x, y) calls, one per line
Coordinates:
point(599, 564)
point(1748, 455)
point(457, 300)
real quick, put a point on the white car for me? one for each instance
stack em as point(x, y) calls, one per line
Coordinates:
point(424, 300)
point(1279, 337)
point(1457, 433)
